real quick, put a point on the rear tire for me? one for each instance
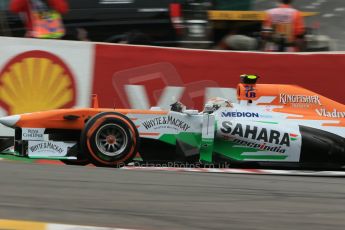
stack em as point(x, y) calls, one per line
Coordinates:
point(110, 139)
point(319, 146)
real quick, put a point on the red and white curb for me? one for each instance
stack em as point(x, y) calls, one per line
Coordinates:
point(242, 171)
point(30, 225)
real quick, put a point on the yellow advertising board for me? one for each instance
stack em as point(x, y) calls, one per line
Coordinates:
point(220, 15)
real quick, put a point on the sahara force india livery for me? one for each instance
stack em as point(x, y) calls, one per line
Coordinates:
point(269, 123)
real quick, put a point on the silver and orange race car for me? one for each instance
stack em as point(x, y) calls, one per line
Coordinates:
point(276, 124)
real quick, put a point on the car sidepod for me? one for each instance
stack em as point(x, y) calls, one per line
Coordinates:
point(255, 140)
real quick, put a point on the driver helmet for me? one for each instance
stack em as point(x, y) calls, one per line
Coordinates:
point(215, 103)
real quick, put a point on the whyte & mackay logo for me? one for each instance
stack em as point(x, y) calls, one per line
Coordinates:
point(46, 146)
point(166, 122)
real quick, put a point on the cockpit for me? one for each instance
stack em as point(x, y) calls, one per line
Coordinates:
point(211, 105)
point(216, 103)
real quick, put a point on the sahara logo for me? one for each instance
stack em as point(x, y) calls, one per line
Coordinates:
point(258, 134)
point(36, 81)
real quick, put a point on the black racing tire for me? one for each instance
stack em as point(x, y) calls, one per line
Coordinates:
point(319, 146)
point(81, 160)
point(110, 139)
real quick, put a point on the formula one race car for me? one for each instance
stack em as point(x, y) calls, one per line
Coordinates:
point(269, 124)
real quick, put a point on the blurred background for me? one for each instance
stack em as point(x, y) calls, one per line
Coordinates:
point(205, 24)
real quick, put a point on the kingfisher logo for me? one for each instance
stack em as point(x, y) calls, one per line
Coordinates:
point(299, 99)
point(239, 114)
point(258, 134)
point(36, 81)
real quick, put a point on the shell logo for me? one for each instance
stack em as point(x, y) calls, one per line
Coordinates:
point(36, 81)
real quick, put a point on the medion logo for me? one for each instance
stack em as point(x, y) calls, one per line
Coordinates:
point(334, 114)
point(168, 120)
point(257, 133)
point(304, 99)
point(239, 114)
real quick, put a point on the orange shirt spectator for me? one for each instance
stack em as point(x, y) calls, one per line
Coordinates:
point(23, 6)
point(286, 21)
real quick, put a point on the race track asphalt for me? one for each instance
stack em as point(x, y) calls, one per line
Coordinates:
point(169, 200)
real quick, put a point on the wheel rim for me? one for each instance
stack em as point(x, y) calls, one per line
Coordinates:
point(111, 140)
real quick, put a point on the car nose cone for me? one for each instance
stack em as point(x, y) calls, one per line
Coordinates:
point(10, 121)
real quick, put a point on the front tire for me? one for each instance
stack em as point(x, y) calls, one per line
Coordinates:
point(110, 139)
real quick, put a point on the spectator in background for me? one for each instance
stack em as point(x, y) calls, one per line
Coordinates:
point(133, 37)
point(283, 29)
point(234, 41)
point(29, 7)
